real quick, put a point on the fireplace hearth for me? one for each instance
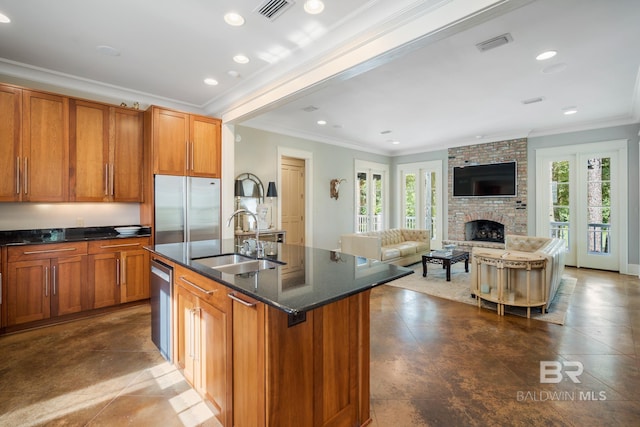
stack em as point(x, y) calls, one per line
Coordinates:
point(482, 230)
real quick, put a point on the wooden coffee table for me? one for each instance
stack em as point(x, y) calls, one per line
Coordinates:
point(446, 259)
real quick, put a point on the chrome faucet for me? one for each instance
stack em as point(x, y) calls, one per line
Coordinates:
point(259, 248)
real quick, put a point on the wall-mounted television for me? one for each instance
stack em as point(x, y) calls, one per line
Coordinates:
point(486, 180)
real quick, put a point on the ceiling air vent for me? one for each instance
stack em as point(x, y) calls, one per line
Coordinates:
point(310, 109)
point(271, 9)
point(494, 42)
point(533, 100)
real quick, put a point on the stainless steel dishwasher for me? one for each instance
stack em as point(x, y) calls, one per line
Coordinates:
point(160, 293)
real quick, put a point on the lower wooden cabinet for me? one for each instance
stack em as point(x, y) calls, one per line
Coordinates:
point(118, 271)
point(312, 373)
point(44, 281)
point(203, 338)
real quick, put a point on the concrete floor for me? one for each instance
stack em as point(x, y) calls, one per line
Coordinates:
point(433, 362)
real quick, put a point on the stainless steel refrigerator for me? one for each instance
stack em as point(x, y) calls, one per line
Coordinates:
point(187, 209)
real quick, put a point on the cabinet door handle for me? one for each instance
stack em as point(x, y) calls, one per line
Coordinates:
point(111, 179)
point(192, 156)
point(26, 175)
point(233, 296)
point(53, 279)
point(46, 281)
point(0, 288)
point(119, 245)
point(198, 287)
point(118, 272)
point(46, 251)
point(106, 179)
point(17, 175)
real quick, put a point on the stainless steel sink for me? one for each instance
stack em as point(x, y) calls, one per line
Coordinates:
point(237, 264)
point(247, 266)
point(221, 260)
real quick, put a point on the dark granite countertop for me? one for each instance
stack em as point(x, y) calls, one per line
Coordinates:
point(324, 276)
point(61, 235)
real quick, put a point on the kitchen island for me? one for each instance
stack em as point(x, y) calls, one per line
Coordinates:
point(281, 346)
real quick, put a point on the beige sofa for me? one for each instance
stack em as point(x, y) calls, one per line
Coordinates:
point(551, 248)
point(396, 246)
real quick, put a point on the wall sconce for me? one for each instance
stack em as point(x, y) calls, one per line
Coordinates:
point(334, 187)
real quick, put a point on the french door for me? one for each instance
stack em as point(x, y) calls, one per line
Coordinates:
point(581, 198)
point(371, 196)
point(421, 198)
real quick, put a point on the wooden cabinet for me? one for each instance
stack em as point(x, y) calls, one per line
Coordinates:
point(202, 326)
point(314, 372)
point(185, 144)
point(34, 146)
point(45, 281)
point(105, 153)
point(45, 147)
point(118, 271)
point(10, 143)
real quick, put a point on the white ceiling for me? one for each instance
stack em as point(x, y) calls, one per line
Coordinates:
point(432, 89)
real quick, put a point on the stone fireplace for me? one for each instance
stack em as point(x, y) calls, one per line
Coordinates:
point(485, 221)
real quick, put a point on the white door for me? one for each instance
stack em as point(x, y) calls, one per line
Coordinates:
point(421, 202)
point(580, 198)
point(371, 196)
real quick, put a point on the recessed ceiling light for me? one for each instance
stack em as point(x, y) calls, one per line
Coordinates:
point(479, 136)
point(395, 142)
point(4, 19)
point(241, 59)
point(569, 111)
point(108, 50)
point(546, 55)
point(313, 7)
point(321, 122)
point(211, 82)
point(234, 19)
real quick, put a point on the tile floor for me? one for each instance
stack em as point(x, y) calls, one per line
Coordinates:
point(433, 362)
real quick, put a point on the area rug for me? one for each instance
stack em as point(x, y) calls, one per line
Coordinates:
point(457, 289)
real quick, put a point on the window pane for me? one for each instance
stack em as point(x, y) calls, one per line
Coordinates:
point(598, 205)
point(410, 201)
point(559, 192)
point(363, 211)
point(377, 208)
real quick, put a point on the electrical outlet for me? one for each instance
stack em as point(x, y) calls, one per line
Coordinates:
point(80, 222)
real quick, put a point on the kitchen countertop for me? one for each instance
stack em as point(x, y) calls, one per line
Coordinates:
point(324, 276)
point(62, 235)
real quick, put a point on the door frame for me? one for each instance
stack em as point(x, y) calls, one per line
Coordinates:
point(307, 156)
point(543, 155)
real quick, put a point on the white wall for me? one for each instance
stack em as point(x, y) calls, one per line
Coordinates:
point(26, 216)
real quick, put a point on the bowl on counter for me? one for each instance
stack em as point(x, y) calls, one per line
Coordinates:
point(127, 231)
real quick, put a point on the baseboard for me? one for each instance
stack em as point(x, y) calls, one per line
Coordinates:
point(632, 269)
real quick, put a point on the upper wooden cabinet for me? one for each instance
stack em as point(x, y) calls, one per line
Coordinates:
point(10, 142)
point(45, 147)
point(34, 146)
point(185, 144)
point(106, 146)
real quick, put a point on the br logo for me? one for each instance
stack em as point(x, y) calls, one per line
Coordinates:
point(551, 372)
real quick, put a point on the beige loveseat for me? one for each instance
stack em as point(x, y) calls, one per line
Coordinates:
point(397, 246)
point(550, 248)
